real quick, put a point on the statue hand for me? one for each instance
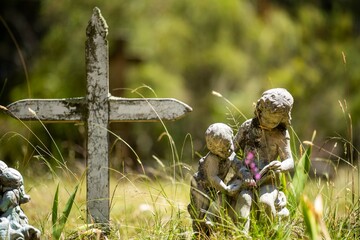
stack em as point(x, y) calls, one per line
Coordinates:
point(249, 182)
point(246, 175)
point(275, 166)
point(233, 188)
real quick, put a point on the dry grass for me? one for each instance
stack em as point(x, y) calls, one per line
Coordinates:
point(138, 206)
point(143, 208)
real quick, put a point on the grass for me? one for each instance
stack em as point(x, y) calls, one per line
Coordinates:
point(155, 208)
point(140, 208)
point(144, 208)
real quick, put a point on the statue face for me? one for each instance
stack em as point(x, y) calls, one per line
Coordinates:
point(226, 150)
point(219, 140)
point(221, 147)
point(274, 107)
point(270, 120)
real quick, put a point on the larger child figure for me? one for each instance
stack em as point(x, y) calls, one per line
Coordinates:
point(266, 138)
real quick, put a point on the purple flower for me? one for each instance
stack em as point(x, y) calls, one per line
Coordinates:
point(250, 155)
point(249, 161)
point(252, 165)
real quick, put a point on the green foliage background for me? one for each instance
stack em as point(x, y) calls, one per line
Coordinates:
point(190, 48)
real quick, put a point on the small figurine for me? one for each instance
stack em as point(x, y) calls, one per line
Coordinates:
point(13, 221)
point(265, 138)
point(208, 184)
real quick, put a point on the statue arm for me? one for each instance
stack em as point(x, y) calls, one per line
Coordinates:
point(241, 170)
point(8, 199)
point(285, 162)
point(212, 171)
point(285, 155)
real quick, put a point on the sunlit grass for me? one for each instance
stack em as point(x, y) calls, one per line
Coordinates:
point(139, 207)
point(143, 208)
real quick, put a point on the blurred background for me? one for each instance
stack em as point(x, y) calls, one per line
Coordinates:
point(186, 50)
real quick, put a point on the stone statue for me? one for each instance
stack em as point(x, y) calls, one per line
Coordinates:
point(207, 185)
point(265, 143)
point(13, 222)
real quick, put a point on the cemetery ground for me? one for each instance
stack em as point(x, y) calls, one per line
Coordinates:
point(144, 207)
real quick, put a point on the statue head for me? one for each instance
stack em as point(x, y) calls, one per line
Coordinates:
point(219, 140)
point(274, 108)
point(10, 178)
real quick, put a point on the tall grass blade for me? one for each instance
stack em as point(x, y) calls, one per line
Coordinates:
point(311, 224)
point(301, 174)
point(55, 208)
point(59, 225)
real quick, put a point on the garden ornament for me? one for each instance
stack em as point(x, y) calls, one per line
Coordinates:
point(13, 222)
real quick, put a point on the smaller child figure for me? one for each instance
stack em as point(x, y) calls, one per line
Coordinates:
point(208, 184)
point(266, 138)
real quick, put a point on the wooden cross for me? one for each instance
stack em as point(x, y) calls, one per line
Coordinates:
point(97, 110)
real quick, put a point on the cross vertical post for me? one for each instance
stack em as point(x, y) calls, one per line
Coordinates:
point(97, 75)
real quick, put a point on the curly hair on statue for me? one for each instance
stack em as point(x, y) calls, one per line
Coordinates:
point(219, 139)
point(276, 100)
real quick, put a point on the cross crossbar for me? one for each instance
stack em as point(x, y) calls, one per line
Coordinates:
point(121, 109)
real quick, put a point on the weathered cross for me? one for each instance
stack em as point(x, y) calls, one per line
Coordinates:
point(97, 110)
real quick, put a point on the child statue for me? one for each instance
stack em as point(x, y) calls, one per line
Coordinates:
point(265, 138)
point(13, 221)
point(207, 185)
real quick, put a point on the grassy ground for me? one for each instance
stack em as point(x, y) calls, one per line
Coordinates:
point(143, 208)
point(140, 208)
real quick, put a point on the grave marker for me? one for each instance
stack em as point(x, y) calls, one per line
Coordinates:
point(97, 110)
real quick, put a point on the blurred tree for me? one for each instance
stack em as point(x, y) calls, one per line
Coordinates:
point(189, 48)
point(21, 31)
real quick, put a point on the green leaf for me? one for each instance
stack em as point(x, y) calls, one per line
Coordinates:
point(301, 173)
point(59, 225)
point(55, 211)
point(68, 207)
point(312, 227)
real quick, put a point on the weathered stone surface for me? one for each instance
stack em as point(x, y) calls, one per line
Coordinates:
point(143, 110)
point(264, 142)
point(97, 120)
point(13, 221)
point(48, 110)
point(267, 139)
point(209, 188)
